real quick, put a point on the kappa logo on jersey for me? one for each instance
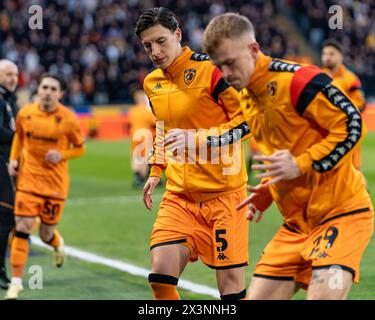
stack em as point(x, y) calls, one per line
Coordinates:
point(199, 57)
point(158, 86)
point(189, 75)
point(354, 129)
point(282, 66)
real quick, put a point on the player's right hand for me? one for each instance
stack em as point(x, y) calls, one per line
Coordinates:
point(259, 201)
point(13, 168)
point(53, 156)
point(148, 189)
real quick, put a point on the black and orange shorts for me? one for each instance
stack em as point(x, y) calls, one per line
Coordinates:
point(32, 205)
point(339, 243)
point(213, 230)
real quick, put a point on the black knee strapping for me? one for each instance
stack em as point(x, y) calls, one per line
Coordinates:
point(162, 278)
point(234, 296)
point(21, 235)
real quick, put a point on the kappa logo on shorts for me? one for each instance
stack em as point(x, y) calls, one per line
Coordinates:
point(222, 256)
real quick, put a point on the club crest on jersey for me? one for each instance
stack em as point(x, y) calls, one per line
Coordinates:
point(189, 75)
point(58, 119)
point(272, 87)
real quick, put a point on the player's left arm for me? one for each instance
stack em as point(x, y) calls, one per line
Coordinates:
point(235, 129)
point(77, 147)
point(317, 98)
point(73, 152)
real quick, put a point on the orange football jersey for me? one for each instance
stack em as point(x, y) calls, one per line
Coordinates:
point(141, 117)
point(40, 132)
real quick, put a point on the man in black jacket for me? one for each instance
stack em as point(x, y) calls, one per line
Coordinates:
point(8, 111)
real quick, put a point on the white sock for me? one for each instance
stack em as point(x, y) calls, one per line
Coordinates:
point(16, 280)
point(61, 242)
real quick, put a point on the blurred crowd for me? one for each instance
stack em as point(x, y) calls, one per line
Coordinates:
point(357, 36)
point(92, 42)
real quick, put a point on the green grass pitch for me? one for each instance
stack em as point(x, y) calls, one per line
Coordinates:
point(98, 219)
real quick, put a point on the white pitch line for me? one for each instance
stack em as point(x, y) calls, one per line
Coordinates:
point(127, 267)
point(105, 200)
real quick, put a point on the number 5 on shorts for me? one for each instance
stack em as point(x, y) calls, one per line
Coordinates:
point(224, 244)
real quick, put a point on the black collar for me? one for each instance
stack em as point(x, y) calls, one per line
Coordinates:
point(5, 93)
point(9, 96)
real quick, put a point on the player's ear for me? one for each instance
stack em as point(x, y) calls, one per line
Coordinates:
point(61, 95)
point(254, 49)
point(178, 34)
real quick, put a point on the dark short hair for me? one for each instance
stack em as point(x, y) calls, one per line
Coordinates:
point(333, 43)
point(59, 78)
point(154, 16)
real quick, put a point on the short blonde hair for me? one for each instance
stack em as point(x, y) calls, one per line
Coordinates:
point(228, 25)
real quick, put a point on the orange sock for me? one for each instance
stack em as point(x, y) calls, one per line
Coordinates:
point(164, 287)
point(18, 253)
point(55, 241)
